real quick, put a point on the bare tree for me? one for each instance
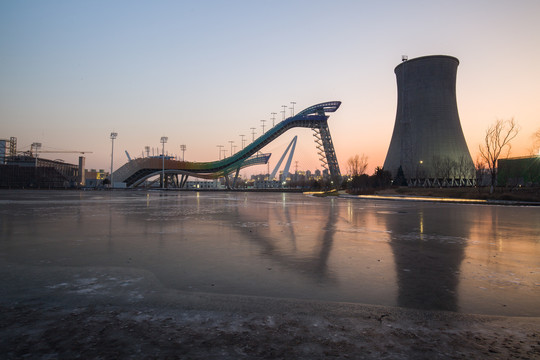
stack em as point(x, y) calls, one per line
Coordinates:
point(436, 165)
point(535, 148)
point(497, 140)
point(445, 168)
point(481, 170)
point(463, 168)
point(357, 165)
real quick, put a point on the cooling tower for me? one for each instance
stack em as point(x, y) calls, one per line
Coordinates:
point(428, 141)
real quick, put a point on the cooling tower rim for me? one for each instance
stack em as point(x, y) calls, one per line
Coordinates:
point(428, 57)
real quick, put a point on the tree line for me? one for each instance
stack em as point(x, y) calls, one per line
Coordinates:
point(496, 145)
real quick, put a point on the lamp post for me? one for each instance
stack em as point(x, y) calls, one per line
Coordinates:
point(113, 136)
point(243, 141)
point(292, 108)
point(36, 146)
point(273, 118)
point(231, 142)
point(183, 149)
point(263, 121)
point(284, 110)
point(219, 153)
point(163, 141)
point(252, 134)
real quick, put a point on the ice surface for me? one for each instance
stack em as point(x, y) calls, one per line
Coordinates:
point(456, 257)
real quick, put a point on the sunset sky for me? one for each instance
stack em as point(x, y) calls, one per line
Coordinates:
point(204, 72)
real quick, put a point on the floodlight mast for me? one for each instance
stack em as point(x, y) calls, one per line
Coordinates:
point(243, 141)
point(219, 151)
point(163, 141)
point(36, 146)
point(113, 136)
point(183, 149)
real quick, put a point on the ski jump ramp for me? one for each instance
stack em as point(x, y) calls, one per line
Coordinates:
point(136, 171)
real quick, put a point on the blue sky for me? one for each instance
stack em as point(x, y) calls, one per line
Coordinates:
point(204, 72)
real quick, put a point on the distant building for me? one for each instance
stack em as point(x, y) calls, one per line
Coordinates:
point(522, 171)
point(4, 148)
point(24, 171)
point(204, 185)
point(8, 148)
point(94, 178)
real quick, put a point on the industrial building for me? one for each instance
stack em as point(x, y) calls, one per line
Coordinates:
point(427, 142)
point(27, 170)
point(521, 171)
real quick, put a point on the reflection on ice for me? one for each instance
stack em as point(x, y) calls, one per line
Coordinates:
point(456, 257)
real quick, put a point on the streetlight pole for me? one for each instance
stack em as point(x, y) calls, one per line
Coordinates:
point(263, 121)
point(273, 118)
point(284, 110)
point(243, 141)
point(113, 136)
point(36, 146)
point(163, 141)
point(252, 134)
point(231, 142)
point(292, 108)
point(183, 149)
point(219, 149)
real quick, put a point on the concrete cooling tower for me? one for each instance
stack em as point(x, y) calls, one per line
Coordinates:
point(428, 141)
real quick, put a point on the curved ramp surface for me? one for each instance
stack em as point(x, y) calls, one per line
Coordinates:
point(136, 171)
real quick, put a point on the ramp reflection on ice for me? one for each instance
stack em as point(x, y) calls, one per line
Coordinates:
point(456, 257)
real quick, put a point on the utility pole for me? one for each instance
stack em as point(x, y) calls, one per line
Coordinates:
point(113, 136)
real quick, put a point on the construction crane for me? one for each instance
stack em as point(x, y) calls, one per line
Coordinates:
point(63, 152)
point(38, 151)
point(32, 153)
point(35, 148)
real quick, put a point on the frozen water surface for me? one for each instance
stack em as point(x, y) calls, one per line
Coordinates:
point(437, 256)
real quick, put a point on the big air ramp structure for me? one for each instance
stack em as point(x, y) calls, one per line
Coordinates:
point(428, 142)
